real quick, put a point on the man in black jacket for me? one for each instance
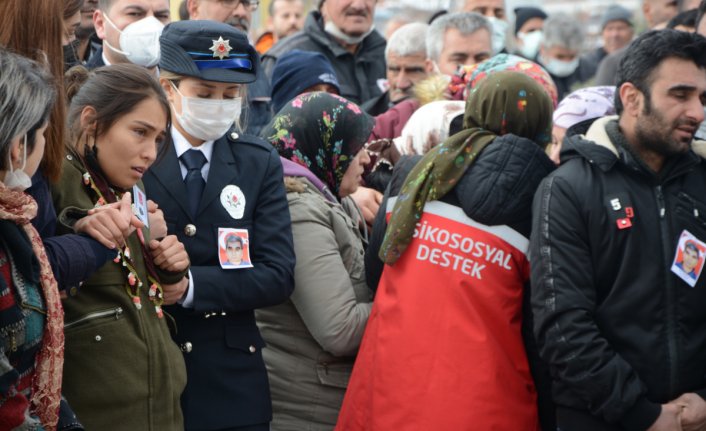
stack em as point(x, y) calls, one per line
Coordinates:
point(343, 31)
point(624, 335)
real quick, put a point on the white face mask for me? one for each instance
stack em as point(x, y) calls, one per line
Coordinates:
point(559, 68)
point(139, 41)
point(207, 119)
point(499, 33)
point(17, 179)
point(336, 32)
point(530, 43)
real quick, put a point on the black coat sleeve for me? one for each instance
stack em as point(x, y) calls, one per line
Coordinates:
point(373, 264)
point(73, 258)
point(564, 305)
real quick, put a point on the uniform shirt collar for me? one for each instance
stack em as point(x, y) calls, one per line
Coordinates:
point(181, 145)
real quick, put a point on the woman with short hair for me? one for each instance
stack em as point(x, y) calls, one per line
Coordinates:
point(31, 319)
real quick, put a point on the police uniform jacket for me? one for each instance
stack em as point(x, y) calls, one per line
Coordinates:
point(227, 382)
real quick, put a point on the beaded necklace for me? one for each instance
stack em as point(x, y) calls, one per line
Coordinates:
point(95, 182)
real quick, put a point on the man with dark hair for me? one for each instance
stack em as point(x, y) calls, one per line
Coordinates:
point(690, 259)
point(130, 31)
point(623, 334)
point(86, 32)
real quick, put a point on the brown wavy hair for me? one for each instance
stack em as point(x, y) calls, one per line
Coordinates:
point(113, 91)
point(33, 28)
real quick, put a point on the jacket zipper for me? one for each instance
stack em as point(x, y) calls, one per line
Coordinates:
point(671, 326)
point(117, 312)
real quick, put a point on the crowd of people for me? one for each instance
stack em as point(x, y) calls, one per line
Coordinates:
point(469, 220)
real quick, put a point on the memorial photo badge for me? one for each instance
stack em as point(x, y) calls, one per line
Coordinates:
point(234, 248)
point(689, 258)
point(140, 205)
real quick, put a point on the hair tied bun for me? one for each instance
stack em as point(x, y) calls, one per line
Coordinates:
point(74, 79)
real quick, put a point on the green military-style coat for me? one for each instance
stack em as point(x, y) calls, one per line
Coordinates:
point(122, 370)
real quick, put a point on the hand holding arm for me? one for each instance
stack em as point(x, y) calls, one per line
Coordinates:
point(110, 224)
point(169, 254)
point(368, 200)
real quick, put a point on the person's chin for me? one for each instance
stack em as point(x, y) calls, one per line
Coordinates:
point(398, 96)
point(355, 30)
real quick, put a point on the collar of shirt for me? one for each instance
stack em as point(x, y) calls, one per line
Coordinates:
point(181, 145)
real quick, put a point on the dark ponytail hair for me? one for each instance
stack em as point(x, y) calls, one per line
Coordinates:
point(113, 92)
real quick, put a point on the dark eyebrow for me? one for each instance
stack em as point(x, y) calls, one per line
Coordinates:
point(147, 125)
point(136, 7)
point(681, 87)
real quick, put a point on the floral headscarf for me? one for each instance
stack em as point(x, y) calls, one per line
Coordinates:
point(322, 132)
point(503, 103)
point(468, 77)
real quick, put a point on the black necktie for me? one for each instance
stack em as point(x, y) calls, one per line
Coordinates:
point(194, 161)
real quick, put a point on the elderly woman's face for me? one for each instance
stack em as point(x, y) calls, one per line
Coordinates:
point(354, 174)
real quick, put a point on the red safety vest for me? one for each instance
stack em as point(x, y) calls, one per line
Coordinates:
point(443, 348)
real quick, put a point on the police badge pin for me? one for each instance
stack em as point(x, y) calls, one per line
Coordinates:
point(233, 200)
point(221, 48)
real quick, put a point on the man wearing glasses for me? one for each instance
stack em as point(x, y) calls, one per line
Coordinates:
point(341, 30)
point(238, 13)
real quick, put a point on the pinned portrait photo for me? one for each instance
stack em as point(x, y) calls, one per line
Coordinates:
point(689, 258)
point(234, 248)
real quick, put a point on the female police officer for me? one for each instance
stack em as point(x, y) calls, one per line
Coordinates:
point(212, 183)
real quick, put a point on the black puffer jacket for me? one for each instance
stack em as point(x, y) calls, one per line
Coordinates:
point(357, 73)
point(621, 332)
point(496, 190)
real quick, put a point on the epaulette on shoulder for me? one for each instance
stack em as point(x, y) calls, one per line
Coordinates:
point(243, 138)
